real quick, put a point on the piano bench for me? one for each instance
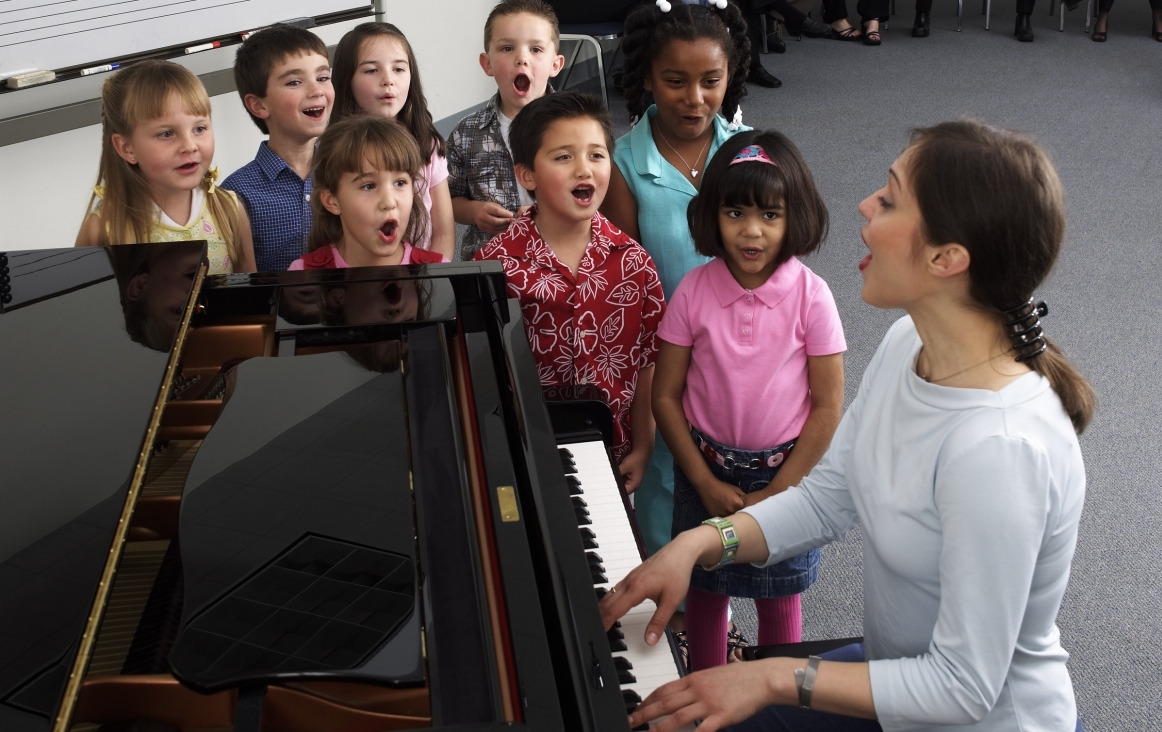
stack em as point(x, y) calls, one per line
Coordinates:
point(797, 650)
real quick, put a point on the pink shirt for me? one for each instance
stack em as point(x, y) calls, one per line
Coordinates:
point(747, 383)
point(339, 263)
point(435, 173)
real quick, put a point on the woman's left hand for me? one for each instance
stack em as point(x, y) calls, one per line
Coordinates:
point(719, 696)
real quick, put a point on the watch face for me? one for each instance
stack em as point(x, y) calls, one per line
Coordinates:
point(728, 533)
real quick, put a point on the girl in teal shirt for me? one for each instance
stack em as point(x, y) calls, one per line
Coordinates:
point(692, 59)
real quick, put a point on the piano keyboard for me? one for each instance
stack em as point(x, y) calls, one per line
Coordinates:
point(613, 551)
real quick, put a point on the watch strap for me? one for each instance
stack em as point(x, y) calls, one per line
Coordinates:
point(730, 541)
point(805, 681)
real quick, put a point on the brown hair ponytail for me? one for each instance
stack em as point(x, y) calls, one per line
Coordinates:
point(996, 193)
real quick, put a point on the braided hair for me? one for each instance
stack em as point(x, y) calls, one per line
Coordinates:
point(648, 30)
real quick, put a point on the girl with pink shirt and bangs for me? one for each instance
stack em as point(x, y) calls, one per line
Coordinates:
point(748, 388)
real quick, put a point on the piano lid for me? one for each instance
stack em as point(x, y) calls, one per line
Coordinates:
point(83, 363)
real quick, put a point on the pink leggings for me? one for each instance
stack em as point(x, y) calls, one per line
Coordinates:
point(780, 621)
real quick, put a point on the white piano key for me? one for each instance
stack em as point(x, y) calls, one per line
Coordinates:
point(653, 666)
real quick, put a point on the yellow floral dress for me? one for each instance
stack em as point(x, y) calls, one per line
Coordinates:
point(201, 226)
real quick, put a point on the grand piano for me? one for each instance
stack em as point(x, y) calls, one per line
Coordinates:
point(329, 501)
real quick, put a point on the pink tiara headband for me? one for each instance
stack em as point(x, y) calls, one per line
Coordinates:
point(753, 154)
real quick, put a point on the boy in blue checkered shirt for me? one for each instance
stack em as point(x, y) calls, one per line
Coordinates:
point(284, 79)
point(521, 41)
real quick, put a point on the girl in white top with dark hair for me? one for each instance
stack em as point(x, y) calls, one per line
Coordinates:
point(958, 458)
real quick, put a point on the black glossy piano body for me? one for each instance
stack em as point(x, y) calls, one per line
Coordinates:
point(342, 509)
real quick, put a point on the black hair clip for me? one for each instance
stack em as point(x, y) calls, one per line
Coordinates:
point(1024, 329)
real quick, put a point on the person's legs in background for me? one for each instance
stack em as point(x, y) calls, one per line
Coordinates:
point(872, 13)
point(835, 15)
point(706, 627)
point(923, 21)
point(1024, 28)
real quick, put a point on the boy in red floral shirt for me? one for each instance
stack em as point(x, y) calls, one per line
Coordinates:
point(591, 297)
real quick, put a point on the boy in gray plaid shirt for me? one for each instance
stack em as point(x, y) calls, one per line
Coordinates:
point(520, 52)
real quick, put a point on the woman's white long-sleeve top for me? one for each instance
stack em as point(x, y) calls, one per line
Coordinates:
point(969, 502)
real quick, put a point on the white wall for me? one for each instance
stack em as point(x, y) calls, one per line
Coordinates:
point(45, 183)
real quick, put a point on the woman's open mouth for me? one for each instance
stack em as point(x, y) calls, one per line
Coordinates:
point(583, 194)
point(522, 83)
point(387, 231)
point(315, 113)
point(863, 263)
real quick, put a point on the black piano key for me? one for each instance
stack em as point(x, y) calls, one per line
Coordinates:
point(601, 592)
point(632, 699)
point(579, 501)
point(564, 452)
point(622, 664)
point(588, 539)
point(614, 634)
point(583, 517)
point(617, 645)
point(568, 464)
point(625, 677)
point(598, 576)
point(574, 485)
point(593, 558)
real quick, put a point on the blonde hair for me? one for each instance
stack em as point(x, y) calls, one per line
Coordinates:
point(341, 151)
point(130, 98)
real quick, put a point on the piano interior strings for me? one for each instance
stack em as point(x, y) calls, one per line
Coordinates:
point(328, 501)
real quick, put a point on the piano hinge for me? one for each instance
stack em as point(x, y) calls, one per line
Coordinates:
point(506, 497)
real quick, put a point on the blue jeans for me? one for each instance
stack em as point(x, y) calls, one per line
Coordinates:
point(783, 579)
point(794, 719)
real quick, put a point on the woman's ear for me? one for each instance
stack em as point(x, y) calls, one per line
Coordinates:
point(329, 201)
point(948, 260)
point(124, 148)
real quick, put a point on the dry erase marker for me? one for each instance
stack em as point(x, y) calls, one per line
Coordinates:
point(204, 47)
point(99, 69)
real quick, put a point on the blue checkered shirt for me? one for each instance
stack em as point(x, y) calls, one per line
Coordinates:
point(480, 168)
point(278, 202)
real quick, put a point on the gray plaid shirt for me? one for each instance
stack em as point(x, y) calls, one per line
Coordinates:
point(480, 168)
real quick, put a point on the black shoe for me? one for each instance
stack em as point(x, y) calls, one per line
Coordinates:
point(762, 77)
point(1024, 29)
point(775, 44)
point(921, 25)
point(812, 29)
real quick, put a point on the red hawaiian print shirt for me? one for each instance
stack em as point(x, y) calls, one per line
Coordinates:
point(598, 328)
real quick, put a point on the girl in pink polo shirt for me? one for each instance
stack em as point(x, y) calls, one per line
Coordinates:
point(748, 387)
point(366, 207)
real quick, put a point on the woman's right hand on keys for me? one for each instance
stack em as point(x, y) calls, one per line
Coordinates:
point(721, 499)
point(663, 578)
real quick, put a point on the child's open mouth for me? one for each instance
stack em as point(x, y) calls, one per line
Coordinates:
point(392, 293)
point(188, 168)
point(522, 83)
point(387, 232)
point(752, 253)
point(315, 112)
point(583, 194)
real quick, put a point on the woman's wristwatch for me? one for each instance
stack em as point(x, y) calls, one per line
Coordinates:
point(729, 541)
point(805, 681)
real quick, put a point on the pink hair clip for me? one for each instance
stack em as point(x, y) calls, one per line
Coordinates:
point(753, 154)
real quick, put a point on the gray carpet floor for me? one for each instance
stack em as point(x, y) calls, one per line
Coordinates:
point(1098, 109)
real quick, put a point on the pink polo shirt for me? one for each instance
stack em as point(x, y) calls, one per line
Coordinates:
point(747, 385)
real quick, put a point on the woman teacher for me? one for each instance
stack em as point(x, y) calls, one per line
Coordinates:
point(958, 458)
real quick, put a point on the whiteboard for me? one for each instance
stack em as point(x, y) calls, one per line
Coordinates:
point(57, 34)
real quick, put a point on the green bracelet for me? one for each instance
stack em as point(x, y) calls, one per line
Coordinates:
point(729, 536)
